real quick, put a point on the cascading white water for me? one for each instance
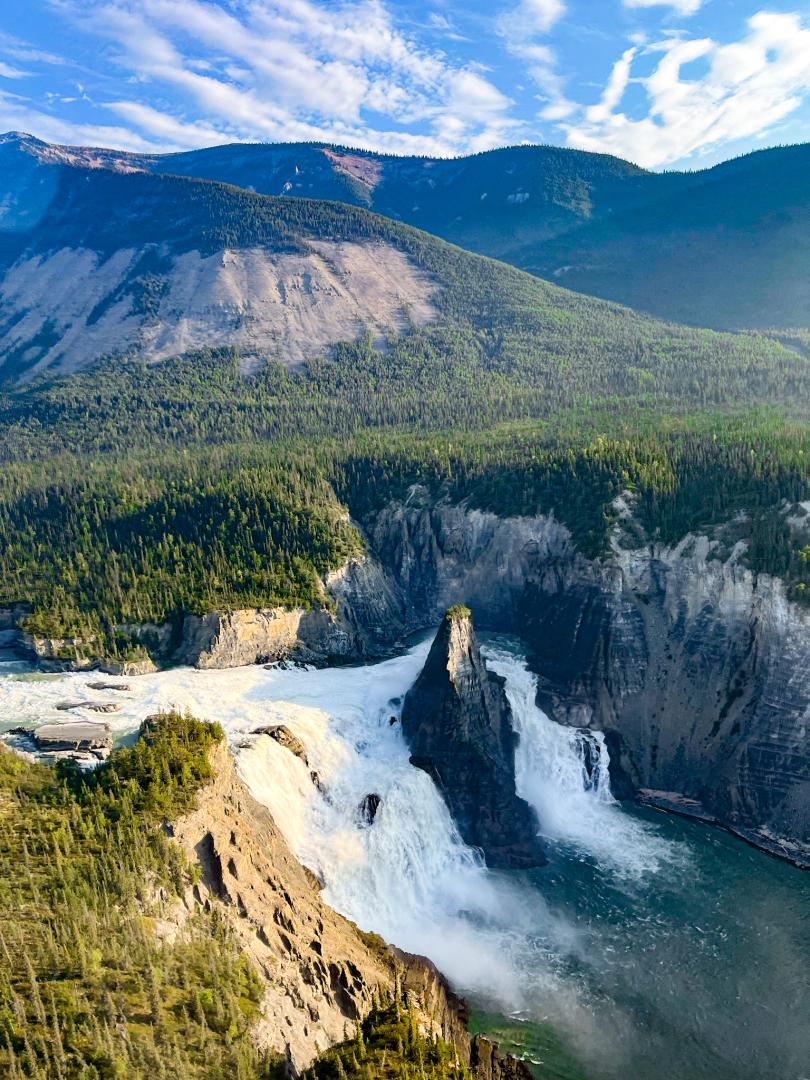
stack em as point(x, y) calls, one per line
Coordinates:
point(409, 876)
point(631, 959)
point(563, 772)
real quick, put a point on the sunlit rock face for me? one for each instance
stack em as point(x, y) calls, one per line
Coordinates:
point(65, 309)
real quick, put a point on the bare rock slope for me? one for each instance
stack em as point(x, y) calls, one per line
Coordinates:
point(320, 971)
point(66, 309)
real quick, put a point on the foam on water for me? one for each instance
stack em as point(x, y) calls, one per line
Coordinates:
point(601, 942)
point(563, 773)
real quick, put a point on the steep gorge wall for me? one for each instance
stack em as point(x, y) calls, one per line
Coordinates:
point(697, 669)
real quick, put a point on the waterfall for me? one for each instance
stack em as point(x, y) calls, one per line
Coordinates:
point(637, 944)
point(409, 876)
point(563, 772)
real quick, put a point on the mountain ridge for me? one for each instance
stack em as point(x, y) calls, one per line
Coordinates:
point(149, 266)
point(670, 243)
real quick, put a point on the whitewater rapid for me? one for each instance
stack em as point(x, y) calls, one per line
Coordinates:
point(645, 939)
point(409, 876)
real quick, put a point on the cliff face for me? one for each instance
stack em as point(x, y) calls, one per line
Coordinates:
point(699, 673)
point(369, 613)
point(320, 971)
point(697, 669)
point(458, 725)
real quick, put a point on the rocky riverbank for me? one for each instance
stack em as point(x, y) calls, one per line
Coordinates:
point(321, 973)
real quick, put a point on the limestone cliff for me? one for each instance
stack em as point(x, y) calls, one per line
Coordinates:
point(697, 669)
point(320, 971)
point(459, 728)
point(364, 613)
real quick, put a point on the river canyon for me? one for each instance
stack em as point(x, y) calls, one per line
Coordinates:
point(645, 938)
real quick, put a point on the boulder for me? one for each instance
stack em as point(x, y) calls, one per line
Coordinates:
point(76, 738)
point(367, 810)
point(284, 737)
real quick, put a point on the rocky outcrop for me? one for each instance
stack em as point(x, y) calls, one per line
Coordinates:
point(696, 669)
point(367, 810)
point(237, 638)
point(364, 614)
point(698, 672)
point(284, 737)
point(320, 972)
point(458, 725)
point(90, 706)
point(367, 612)
point(84, 743)
point(488, 1063)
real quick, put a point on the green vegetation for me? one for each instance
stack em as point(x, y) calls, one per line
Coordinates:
point(94, 545)
point(90, 986)
point(98, 542)
point(457, 612)
point(726, 247)
point(103, 973)
point(388, 1045)
point(132, 494)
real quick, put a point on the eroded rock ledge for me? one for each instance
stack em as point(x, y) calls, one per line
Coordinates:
point(320, 971)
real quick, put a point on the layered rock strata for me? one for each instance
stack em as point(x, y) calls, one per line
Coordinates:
point(695, 667)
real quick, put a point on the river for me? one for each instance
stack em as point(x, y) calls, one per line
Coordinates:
point(650, 947)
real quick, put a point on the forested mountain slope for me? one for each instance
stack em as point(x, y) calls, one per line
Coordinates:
point(114, 506)
point(725, 247)
point(99, 263)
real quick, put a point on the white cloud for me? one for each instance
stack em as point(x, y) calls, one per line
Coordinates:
point(9, 72)
point(293, 69)
point(532, 17)
point(19, 114)
point(614, 91)
point(748, 87)
point(520, 27)
point(682, 7)
point(22, 50)
point(169, 130)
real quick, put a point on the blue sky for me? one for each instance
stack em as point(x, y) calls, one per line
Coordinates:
point(665, 83)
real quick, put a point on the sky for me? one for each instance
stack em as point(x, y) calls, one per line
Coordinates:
point(663, 83)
